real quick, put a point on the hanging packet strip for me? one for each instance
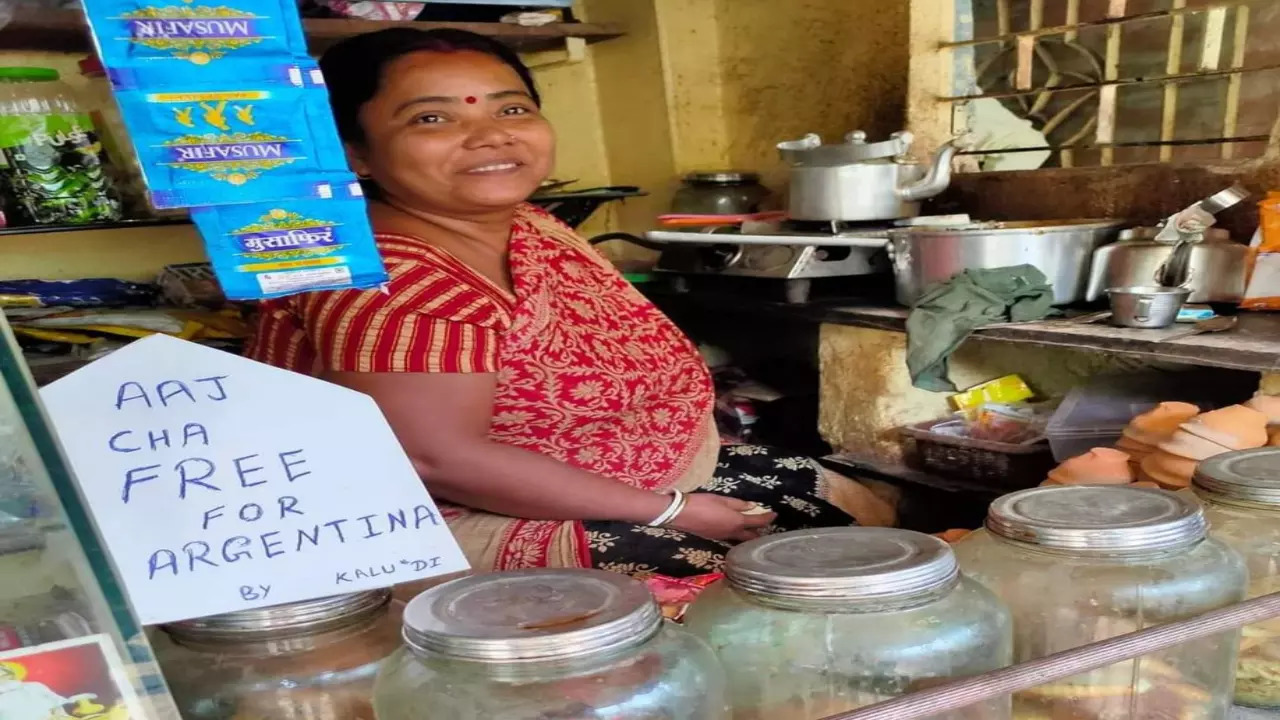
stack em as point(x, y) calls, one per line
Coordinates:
point(271, 249)
point(159, 43)
point(234, 144)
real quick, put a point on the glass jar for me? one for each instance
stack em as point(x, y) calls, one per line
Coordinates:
point(1078, 564)
point(720, 193)
point(51, 161)
point(313, 660)
point(122, 161)
point(1241, 496)
point(543, 644)
point(812, 623)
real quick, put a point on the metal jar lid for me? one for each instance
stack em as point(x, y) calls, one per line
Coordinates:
point(292, 619)
point(848, 563)
point(530, 615)
point(722, 177)
point(1097, 519)
point(1247, 476)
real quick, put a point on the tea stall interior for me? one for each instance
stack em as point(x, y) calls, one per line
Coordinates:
point(649, 94)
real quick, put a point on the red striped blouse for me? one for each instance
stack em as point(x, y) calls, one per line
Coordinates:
point(588, 371)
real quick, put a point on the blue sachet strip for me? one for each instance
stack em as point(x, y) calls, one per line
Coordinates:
point(269, 72)
point(313, 186)
point(271, 249)
point(227, 146)
point(185, 42)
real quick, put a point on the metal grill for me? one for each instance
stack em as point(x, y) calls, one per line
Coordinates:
point(1120, 81)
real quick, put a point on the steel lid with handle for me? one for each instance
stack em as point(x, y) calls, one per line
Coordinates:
point(809, 149)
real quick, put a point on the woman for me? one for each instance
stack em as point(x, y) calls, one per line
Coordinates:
point(551, 409)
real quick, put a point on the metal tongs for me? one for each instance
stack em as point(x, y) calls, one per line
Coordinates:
point(1187, 227)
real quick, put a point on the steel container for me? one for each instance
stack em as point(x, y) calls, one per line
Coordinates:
point(1061, 249)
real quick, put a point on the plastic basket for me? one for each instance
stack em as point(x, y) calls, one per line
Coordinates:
point(1004, 465)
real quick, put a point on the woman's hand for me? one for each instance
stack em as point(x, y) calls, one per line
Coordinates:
point(717, 517)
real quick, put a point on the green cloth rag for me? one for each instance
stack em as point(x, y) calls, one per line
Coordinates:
point(949, 311)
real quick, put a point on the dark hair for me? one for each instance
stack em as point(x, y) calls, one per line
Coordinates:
point(353, 68)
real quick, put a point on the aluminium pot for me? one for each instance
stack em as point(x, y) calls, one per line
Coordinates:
point(858, 181)
point(1217, 265)
point(720, 192)
point(1061, 249)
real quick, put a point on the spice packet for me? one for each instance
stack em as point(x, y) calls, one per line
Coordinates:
point(226, 146)
point(1007, 389)
point(191, 42)
point(675, 595)
point(276, 248)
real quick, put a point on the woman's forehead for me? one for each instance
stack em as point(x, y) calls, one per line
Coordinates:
point(449, 74)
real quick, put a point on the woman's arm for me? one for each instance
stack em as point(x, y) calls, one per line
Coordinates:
point(442, 421)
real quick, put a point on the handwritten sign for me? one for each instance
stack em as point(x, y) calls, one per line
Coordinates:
point(222, 484)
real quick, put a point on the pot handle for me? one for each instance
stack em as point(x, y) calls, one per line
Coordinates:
point(1186, 283)
point(871, 243)
point(1142, 312)
point(899, 255)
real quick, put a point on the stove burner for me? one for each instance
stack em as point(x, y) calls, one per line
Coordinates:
point(795, 252)
point(831, 227)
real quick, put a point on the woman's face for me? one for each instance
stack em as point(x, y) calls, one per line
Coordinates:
point(455, 133)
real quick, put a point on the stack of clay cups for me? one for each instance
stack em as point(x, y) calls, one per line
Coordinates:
point(1146, 431)
point(1269, 405)
point(1099, 466)
point(1236, 427)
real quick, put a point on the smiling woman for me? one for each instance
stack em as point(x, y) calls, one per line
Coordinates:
point(557, 415)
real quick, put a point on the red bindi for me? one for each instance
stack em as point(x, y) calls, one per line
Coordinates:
point(471, 100)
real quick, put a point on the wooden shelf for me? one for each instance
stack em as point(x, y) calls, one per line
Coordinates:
point(1253, 345)
point(120, 225)
point(66, 31)
point(323, 33)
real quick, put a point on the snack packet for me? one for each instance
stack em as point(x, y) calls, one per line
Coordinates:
point(1008, 389)
point(227, 146)
point(189, 43)
point(675, 595)
point(999, 422)
point(282, 247)
point(1262, 290)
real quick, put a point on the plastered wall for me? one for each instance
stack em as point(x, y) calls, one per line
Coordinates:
point(744, 75)
point(866, 393)
point(824, 66)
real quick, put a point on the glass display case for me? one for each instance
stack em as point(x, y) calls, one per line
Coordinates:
point(69, 645)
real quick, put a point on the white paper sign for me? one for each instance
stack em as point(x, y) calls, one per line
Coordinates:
point(221, 484)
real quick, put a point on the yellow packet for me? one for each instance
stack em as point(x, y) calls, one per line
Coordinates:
point(190, 330)
point(1007, 390)
point(19, 301)
point(71, 338)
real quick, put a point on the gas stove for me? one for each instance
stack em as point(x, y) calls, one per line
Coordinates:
point(794, 252)
point(799, 253)
point(790, 251)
